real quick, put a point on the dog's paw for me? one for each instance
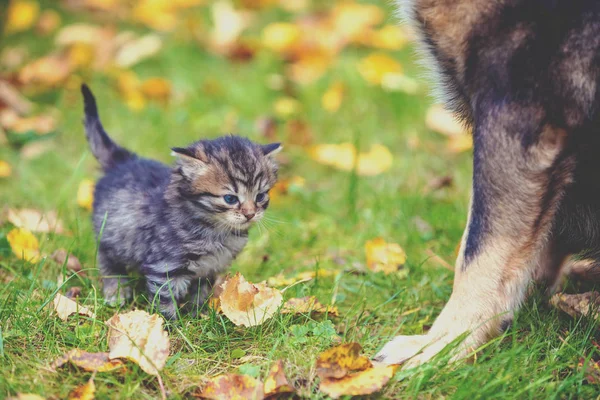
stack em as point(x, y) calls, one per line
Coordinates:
point(401, 349)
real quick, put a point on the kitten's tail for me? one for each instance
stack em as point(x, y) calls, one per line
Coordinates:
point(108, 153)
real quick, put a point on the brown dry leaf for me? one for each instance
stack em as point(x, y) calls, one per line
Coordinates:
point(248, 304)
point(136, 50)
point(577, 305)
point(384, 257)
point(332, 98)
point(24, 244)
point(65, 307)
point(87, 361)
point(343, 156)
point(84, 392)
point(281, 280)
point(339, 361)
point(46, 71)
point(85, 194)
point(35, 221)
point(359, 383)
point(375, 67)
point(5, 169)
point(232, 386)
point(21, 15)
point(306, 305)
point(72, 263)
point(277, 382)
point(139, 337)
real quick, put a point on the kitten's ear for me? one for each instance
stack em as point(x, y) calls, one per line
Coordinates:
point(271, 149)
point(192, 161)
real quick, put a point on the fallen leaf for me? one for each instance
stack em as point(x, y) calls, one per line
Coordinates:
point(136, 50)
point(577, 305)
point(84, 392)
point(376, 66)
point(332, 98)
point(282, 187)
point(62, 256)
point(343, 156)
point(306, 305)
point(298, 133)
point(32, 150)
point(281, 280)
point(10, 96)
point(248, 304)
point(21, 15)
point(228, 24)
point(389, 37)
point(286, 107)
point(592, 370)
point(65, 307)
point(35, 221)
point(351, 20)
point(49, 21)
point(281, 37)
point(87, 361)
point(5, 169)
point(309, 66)
point(232, 386)
point(359, 383)
point(26, 396)
point(440, 120)
point(139, 337)
point(156, 89)
point(339, 361)
point(24, 244)
point(276, 382)
point(384, 257)
point(50, 70)
point(85, 194)
point(460, 143)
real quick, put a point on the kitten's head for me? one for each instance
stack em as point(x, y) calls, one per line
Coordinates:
point(227, 180)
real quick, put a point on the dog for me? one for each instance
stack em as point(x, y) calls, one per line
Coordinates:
point(524, 75)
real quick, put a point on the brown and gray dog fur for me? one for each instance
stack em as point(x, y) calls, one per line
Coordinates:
point(524, 75)
point(173, 223)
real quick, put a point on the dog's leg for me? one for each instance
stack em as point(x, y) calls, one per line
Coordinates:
point(520, 172)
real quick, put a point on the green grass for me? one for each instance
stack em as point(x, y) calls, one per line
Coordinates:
point(320, 226)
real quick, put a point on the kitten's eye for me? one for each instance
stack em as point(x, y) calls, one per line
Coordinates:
point(260, 197)
point(230, 199)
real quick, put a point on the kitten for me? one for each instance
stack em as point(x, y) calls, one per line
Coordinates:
point(180, 225)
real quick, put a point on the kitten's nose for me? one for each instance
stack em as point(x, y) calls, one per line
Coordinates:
point(249, 216)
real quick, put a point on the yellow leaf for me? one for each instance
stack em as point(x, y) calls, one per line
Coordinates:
point(228, 24)
point(139, 337)
point(338, 361)
point(276, 381)
point(130, 88)
point(460, 143)
point(21, 15)
point(35, 221)
point(24, 245)
point(332, 98)
point(358, 384)
point(157, 14)
point(87, 361)
point(156, 89)
point(306, 305)
point(281, 37)
point(351, 20)
point(5, 169)
point(84, 392)
point(440, 120)
point(85, 194)
point(81, 55)
point(78, 33)
point(248, 304)
point(65, 307)
point(136, 50)
point(286, 107)
point(309, 66)
point(384, 257)
point(232, 386)
point(49, 70)
point(389, 37)
point(376, 66)
point(343, 156)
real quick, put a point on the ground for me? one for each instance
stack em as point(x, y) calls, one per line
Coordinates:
point(322, 225)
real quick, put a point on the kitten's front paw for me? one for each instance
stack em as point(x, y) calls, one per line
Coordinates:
point(117, 296)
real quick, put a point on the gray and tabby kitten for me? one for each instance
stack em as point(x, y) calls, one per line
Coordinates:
point(181, 225)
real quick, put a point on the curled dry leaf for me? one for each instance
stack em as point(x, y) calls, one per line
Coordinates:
point(577, 305)
point(306, 305)
point(339, 361)
point(88, 361)
point(276, 382)
point(85, 194)
point(139, 337)
point(35, 220)
point(84, 392)
point(359, 383)
point(65, 307)
point(232, 386)
point(24, 244)
point(248, 304)
point(62, 257)
point(343, 156)
point(384, 257)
